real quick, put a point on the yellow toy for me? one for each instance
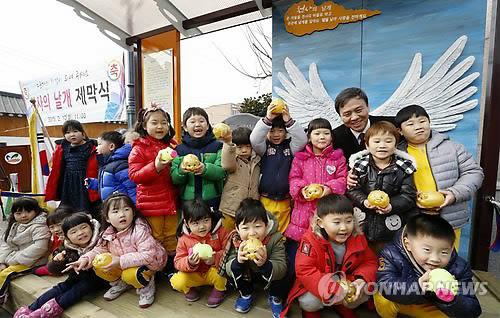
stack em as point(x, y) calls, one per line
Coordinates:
point(430, 199)
point(190, 163)
point(443, 284)
point(251, 247)
point(102, 260)
point(350, 290)
point(313, 191)
point(378, 198)
point(168, 154)
point(204, 251)
point(221, 130)
point(279, 106)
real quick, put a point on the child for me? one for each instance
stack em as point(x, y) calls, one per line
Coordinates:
point(424, 244)
point(269, 140)
point(156, 195)
point(243, 167)
point(73, 160)
point(199, 226)
point(382, 167)
point(82, 234)
point(198, 139)
point(269, 261)
point(113, 171)
point(333, 245)
point(443, 165)
point(54, 222)
point(25, 243)
point(127, 236)
point(320, 164)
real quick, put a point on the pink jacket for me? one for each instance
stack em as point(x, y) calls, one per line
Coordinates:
point(136, 247)
point(329, 169)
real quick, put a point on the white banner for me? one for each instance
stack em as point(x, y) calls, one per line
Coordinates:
point(87, 94)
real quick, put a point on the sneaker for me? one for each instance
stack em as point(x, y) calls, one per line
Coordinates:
point(276, 306)
point(243, 304)
point(147, 294)
point(215, 298)
point(192, 295)
point(117, 288)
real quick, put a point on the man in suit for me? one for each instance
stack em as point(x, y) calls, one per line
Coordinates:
point(352, 106)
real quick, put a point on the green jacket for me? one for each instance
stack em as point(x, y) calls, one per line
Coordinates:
point(212, 178)
point(275, 246)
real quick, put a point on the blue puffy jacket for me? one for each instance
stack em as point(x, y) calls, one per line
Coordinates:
point(113, 175)
point(398, 275)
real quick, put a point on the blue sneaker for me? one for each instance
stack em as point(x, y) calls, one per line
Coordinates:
point(276, 306)
point(243, 304)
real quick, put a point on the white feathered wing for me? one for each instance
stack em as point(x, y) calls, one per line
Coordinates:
point(441, 91)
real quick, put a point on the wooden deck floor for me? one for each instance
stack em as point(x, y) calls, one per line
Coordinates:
point(169, 303)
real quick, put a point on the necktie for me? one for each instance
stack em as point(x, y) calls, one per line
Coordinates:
point(361, 139)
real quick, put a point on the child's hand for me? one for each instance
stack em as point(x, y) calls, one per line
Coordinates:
point(60, 257)
point(260, 256)
point(193, 259)
point(326, 190)
point(242, 255)
point(359, 284)
point(160, 164)
point(200, 169)
point(449, 198)
point(385, 210)
point(368, 205)
point(227, 139)
point(423, 282)
point(286, 114)
point(269, 114)
point(3, 266)
point(352, 180)
point(79, 265)
point(86, 182)
point(304, 193)
point(115, 262)
point(210, 261)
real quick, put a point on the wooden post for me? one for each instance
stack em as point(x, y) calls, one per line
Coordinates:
point(483, 216)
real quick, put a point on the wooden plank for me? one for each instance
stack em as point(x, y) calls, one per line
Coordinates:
point(493, 283)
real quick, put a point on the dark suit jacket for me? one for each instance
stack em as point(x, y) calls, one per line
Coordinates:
point(345, 140)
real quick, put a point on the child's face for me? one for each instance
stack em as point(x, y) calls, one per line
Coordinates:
point(80, 235)
point(244, 151)
point(104, 147)
point(381, 145)
point(416, 130)
point(24, 217)
point(338, 226)
point(201, 227)
point(276, 135)
point(120, 216)
point(157, 125)
point(56, 229)
point(321, 138)
point(196, 126)
point(429, 252)
point(75, 137)
point(354, 114)
point(255, 229)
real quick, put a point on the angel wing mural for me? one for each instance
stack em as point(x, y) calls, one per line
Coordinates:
point(442, 91)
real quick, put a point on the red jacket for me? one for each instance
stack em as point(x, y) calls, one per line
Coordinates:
point(315, 259)
point(217, 239)
point(156, 194)
point(52, 187)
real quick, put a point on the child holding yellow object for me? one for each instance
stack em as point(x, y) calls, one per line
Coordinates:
point(127, 236)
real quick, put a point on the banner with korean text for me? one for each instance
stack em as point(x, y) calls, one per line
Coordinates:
point(85, 93)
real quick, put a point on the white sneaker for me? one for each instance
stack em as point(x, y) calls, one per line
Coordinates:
point(147, 294)
point(117, 288)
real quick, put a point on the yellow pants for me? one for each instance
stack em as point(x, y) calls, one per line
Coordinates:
point(228, 223)
point(138, 277)
point(280, 209)
point(457, 239)
point(388, 309)
point(164, 229)
point(9, 272)
point(182, 281)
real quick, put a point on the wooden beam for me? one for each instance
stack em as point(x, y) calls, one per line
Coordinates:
point(224, 14)
point(483, 216)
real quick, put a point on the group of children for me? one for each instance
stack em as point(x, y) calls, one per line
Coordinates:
point(273, 204)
